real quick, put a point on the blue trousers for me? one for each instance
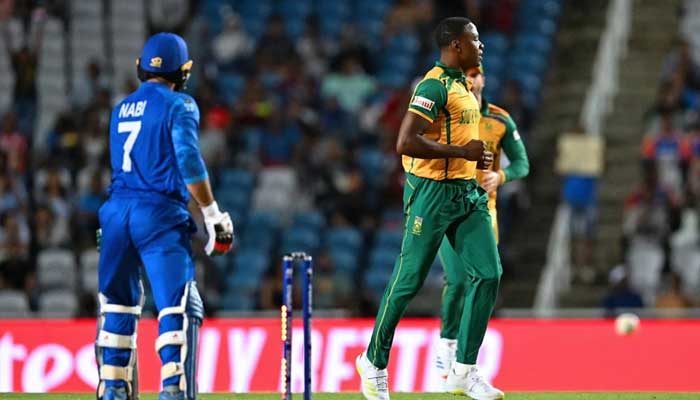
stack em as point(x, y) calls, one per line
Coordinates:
point(155, 232)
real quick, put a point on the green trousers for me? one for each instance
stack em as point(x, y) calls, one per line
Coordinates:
point(456, 210)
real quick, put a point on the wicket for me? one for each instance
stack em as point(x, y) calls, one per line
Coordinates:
point(288, 262)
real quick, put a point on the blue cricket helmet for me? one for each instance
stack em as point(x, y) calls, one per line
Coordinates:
point(165, 55)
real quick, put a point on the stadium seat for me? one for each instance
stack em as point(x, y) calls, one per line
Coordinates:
point(344, 238)
point(376, 280)
point(389, 239)
point(237, 179)
point(344, 260)
point(58, 304)
point(13, 304)
point(301, 239)
point(309, 219)
point(56, 269)
point(250, 261)
point(382, 258)
point(495, 42)
point(235, 300)
point(89, 262)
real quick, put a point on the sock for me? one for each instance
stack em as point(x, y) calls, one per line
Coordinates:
point(461, 369)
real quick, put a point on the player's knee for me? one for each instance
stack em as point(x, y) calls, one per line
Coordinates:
point(493, 275)
point(456, 287)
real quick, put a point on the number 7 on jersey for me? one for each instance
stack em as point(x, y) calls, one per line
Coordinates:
point(133, 128)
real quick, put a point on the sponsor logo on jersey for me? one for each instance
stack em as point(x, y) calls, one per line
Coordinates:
point(469, 116)
point(156, 62)
point(422, 102)
point(516, 135)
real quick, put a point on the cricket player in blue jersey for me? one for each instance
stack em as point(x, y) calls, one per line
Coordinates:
point(156, 166)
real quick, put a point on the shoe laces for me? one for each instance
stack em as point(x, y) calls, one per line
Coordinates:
point(381, 382)
point(478, 381)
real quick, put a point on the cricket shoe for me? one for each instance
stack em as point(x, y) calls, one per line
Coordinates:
point(375, 381)
point(471, 384)
point(446, 355)
point(171, 392)
point(114, 393)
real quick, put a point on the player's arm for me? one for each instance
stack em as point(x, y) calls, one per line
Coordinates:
point(192, 169)
point(514, 148)
point(428, 99)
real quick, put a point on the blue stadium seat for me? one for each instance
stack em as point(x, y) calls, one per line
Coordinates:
point(301, 239)
point(376, 280)
point(237, 300)
point(344, 238)
point(533, 42)
point(230, 86)
point(237, 179)
point(252, 138)
point(344, 260)
point(309, 219)
point(373, 164)
point(405, 43)
point(236, 197)
point(251, 261)
point(382, 258)
point(389, 239)
point(494, 42)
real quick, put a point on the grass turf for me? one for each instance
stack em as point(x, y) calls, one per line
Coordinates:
point(394, 396)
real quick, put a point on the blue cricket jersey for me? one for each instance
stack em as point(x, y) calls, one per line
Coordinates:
point(153, 143)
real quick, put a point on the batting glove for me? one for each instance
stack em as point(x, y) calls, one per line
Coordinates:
point(220, 230)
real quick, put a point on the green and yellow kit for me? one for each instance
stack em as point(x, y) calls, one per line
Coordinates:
point(500, 133)
point(443, 199)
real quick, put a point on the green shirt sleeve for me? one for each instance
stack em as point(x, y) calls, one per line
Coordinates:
point(428, 99)
point(514, 148)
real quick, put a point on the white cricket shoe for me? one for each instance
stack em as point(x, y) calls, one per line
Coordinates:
point(375, 381)
point(446, 355)
point(471, 384)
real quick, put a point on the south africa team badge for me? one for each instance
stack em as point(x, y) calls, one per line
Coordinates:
point(417, 225)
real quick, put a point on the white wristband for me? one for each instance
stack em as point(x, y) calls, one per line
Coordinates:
point(210, 211)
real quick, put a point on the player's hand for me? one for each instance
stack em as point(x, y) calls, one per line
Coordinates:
point(486, 161)
point(220, 230)
point(474, 150)
point(490, 181)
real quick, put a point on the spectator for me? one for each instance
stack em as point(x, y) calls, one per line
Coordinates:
point(312, 49)
point(673, 296)
point(13, 144)
point(13, 194)
point(14, 238)
point(50, 231)
point(620, 294)
point(350, 86)
point(84, 90)
point(580, 162)
point(651, 212)
point(92, 140)
point(518, 110)
point(275, 48)
point(279, 141)
point(664, 149)
point(168, 15)
point(25, 63)
point(233, 44)
point(89, 203)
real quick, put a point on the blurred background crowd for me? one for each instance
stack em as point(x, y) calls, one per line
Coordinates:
point(300, 104)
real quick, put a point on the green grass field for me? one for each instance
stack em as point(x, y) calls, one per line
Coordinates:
point(396, 396)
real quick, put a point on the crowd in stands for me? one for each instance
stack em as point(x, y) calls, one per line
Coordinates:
point(661, 242)
point(300, 106)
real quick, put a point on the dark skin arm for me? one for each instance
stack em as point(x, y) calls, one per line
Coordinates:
point(201, 192)
point(412, 143)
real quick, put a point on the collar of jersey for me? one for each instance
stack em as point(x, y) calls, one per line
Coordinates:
point(484, 106)
point(451, 72)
